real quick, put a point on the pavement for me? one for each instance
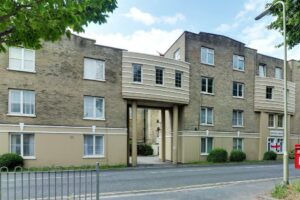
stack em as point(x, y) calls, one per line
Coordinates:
point(169, 183)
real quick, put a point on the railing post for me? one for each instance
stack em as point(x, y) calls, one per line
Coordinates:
point(97, 181)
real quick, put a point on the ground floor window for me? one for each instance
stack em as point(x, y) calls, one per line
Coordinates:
point(206, 145)
point(22, 144)
point(275, 144)
point(93, 145)
point(238, 144)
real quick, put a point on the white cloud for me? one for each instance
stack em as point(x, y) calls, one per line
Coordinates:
point(250, 6)
point(226, 27)
point(151, 42)
point(149, 19)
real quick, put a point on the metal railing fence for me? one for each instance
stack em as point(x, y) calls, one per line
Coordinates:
point(50, 185)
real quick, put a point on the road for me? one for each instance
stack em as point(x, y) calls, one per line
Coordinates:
point(183, 182)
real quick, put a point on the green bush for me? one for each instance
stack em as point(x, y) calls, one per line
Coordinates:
point(292, 154)
point(217, 155)
point(279, 192)
point(270, 155)
point(11, 160)
point(237, 156)
point(144, 150)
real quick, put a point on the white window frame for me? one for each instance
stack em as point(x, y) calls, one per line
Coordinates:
point(276, 142)
point(206, 85)
point(264, 68)
point(21, 103)
point(206, 145)
point(280, 73)
point(163, 76)
point(236, 60)
point(274, 122)
point(141, 66)
point(240, 141)
point(22, 60)
point(94, 108)
point(94, 146)
point(177, 54)
point(22, 145)
point(207, 51)
point(206, 116)
point(239, 125)
point(85, 68)
point(243, 89)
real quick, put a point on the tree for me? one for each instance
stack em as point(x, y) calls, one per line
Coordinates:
point(29, 22)
point(293, 21)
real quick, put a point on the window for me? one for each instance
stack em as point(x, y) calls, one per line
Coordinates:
point(278, 73)
point(206, 116)
point(178, 78)
point(238, 62)
point(21, 102)
point(238, 89)
point(269, 92)
point(275, 144)
point(93, 107)
point(177, 54)
point(93, 145)
point(22, 144)
point(94, 69)
point(207, 85)
point(159, 76)
point(21, 59)
point(238, 144)
point(237, 118)
point(207, 56)
point(206, 145)
point(137, 73)
point(262, 71)
point(271, 121)
point(280, 121)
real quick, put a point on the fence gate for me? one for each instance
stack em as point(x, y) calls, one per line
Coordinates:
point(56, 185)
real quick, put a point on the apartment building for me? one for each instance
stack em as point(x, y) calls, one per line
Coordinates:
point(74, 102)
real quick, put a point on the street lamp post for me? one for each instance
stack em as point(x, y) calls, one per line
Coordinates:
point(285, 103)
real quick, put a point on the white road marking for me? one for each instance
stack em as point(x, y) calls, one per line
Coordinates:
point(179, 171)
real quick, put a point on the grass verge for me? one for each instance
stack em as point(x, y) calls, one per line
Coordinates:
point(289, 192)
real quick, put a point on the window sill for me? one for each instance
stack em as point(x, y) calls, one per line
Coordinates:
point(93, 157)
point(29, 158)
point(237, 126)
point(211, 65)
point(271, 127)
point(236, 97)
point(207, 125)
point(204, 154)
point(138, 83)
point(20, 115)
point(94, 119)
point(206, 93)
point(238, 70)
point(98, 80)
point(20, 70)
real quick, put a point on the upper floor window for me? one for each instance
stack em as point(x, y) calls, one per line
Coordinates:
point(239, 62)
point(177, 54)
point(269, 92)
point(278, 73)
point(137, 73)
point(207, 85)
point(22, 144)
point(271, 121)
point(21, 59)
point(93, 107)
point(238, 89)
point(238, 144)
point(159, 76)
point(93, 145)
point(207, 56)
point(237, 118)
point(178, 79)
point(94, 69)
point(21, 102)
point(206, 116)
point(262, 71)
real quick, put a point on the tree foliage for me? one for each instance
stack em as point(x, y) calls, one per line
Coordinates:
point(292, 23)
point(28, 22)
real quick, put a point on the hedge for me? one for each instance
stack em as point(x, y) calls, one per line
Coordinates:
point(270, 155)
point(217, 155)
point(11, 160)
point(237, 156)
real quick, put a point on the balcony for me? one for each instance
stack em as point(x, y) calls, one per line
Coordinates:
point(147, 89)
point(261, 103)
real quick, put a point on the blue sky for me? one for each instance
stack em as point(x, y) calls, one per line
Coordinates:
point(151, 26)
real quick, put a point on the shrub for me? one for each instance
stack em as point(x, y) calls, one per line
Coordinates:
point(237, 156)
point(11, 160)
point(292, 154)
point(144, 150)
point(270, 155)
point(217, 155)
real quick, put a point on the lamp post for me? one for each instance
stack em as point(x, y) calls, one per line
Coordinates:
point(285, 107)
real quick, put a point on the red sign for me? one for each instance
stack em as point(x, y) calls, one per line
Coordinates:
point(276, 146)
point(297, 156)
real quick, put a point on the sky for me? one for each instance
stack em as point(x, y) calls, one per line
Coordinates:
point(152, 26)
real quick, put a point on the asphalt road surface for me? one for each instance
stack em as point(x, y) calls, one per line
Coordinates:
point(162, 182)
